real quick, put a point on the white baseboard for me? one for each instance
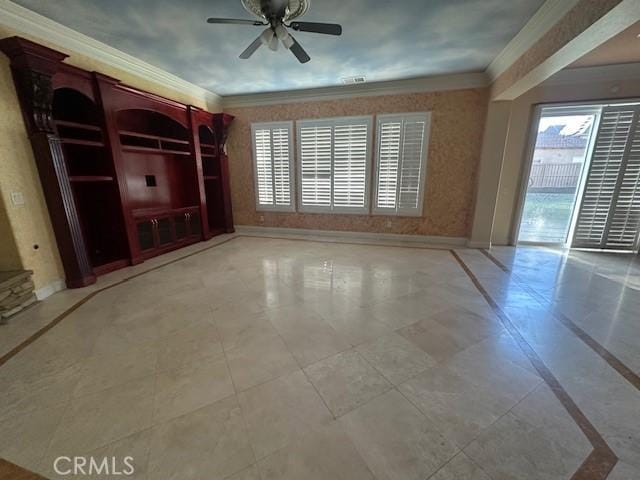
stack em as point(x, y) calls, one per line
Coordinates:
point(50, 289)
point(344, 236)
point(478, 244)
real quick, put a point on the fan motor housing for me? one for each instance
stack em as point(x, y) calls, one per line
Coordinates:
point(283, 10)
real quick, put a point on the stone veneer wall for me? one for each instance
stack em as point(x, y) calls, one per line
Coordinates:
point(16, 292)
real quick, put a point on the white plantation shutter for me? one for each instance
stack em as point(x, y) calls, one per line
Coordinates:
point(281, 148)
point(625, 222)
point(315, 166)
point(264, 163)
point(388, 163)
point(609, 215)
point(401, 163)
point(350, 165)
point(334, 156)
point(273, 165)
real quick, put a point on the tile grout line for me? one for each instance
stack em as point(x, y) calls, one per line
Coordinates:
point(301, 368)
point(461, 452)
point(462, 449)
point(235, 394)
point(614, 362)
point(602, 459)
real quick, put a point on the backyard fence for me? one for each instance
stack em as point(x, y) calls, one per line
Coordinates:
point(550, 176)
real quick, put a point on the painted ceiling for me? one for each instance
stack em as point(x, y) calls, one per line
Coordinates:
point(382, 39)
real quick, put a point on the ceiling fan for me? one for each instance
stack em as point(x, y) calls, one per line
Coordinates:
point(277, 15)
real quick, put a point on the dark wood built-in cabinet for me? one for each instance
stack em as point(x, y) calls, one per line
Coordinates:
point(126, 174)
point(160, 230)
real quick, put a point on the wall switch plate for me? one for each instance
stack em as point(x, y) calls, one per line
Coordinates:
point(17, 199)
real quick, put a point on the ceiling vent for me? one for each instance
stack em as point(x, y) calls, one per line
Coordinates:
point(353, 80)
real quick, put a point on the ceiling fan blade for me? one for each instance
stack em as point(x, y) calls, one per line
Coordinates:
point(250, 50)
point(298, 51)
point(235, 21)
point(326, 28)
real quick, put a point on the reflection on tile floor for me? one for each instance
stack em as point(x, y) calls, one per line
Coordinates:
point(281, 359)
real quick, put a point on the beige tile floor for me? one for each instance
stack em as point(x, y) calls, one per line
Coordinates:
point(287, 359)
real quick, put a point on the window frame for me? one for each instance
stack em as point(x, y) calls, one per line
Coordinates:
point(292, 174)
point(424, 163)
point(333, 122)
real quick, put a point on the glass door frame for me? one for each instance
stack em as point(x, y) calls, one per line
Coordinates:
point(562, 108)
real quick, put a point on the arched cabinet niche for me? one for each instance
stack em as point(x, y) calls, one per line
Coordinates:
point(212, 179)
point(161, 180)
point(92, 177)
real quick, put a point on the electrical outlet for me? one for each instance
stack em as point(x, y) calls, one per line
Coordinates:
point(389, 224)
point(261, 218)
point(17, 199)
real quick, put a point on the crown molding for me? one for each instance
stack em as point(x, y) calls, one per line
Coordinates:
point(541, 22)
point(619, 18)
point(597, 74)
point(24, 21)
point(438, 83)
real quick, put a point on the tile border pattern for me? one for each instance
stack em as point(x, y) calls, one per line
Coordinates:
point(596, 466)
point(613, 361)
point(600, 462)
point(11, 471)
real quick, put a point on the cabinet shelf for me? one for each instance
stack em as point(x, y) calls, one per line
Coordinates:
point(208, 155)
point(82, 126)
point(207, 145)
point(90, 178)
point(211, 177)
point(153, 137)
point(86, 143)
point(127, 148)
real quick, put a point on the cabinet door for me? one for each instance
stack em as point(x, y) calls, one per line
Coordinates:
point(165, 231)
point(181, 226)
point(195, 229)
point(146, 235)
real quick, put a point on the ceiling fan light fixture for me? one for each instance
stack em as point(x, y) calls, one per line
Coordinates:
point(284, 37)
point(267, 36)
point(273, 44)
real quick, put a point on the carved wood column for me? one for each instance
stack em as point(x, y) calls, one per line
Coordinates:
point(194, 114)
point(104, 95)
point(33, 66)
point(221, 124)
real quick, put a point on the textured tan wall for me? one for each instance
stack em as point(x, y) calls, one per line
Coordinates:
point(9, 257)
point(30, 224)
point(457, 125)
point(576, 21)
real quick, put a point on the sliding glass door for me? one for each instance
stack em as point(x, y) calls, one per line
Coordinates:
point(559, 159)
